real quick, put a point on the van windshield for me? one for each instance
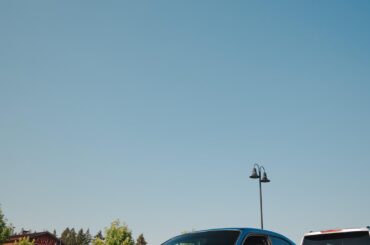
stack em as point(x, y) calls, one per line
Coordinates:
point(206, 238)
point(348, 238)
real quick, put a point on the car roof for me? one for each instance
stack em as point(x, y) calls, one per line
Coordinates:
point(333, 231)
point(247, 230)
point(243, 230)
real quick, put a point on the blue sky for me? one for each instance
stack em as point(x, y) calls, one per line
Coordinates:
point(155, 112)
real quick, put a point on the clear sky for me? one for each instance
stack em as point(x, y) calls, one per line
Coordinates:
point(154, 112)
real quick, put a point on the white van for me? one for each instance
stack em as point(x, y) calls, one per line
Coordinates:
point(338, 237)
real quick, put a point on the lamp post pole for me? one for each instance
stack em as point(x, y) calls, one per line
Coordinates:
point(259, 180)
point(257, 174)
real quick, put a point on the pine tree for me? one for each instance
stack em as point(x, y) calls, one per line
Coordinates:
point(87, 237)
point(72, 237)
point(64, 237)
point(69, 237)
point(99, 235)
point(141, 240)
point(80, 238)
point(83, 238)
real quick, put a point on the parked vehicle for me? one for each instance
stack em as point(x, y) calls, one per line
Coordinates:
point(235, 236)
point(338, 237)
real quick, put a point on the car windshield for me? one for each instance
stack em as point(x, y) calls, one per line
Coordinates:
point(348, 238)
point(206, 238)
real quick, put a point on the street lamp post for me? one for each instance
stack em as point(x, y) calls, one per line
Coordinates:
point(256, 174)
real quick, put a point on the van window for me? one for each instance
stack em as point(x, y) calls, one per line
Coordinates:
point(348, 238)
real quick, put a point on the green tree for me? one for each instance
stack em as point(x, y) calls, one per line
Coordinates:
point(64, 237)
point(25, 241)
point(5, 230)
point(69, 236)
point(116, 234)
point(99, 235)
point(83, 238)
point(88, 237)
point(80, 237)
point(141, 240)
point(73, 237)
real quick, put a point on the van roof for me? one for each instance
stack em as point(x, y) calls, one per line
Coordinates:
point(314, 233)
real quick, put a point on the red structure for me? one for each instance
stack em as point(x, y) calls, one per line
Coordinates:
point(40, 238)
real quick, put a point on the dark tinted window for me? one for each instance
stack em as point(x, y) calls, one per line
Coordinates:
point(256, 240)
point(206, 238)
point(349, 238)
point(278, 241)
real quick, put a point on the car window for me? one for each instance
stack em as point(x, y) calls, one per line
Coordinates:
point(206, 238)
point(256, 240)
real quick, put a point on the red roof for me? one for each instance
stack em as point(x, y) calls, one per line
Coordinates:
point(34, 236)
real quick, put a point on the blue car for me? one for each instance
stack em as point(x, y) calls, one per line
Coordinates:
point(230, 236)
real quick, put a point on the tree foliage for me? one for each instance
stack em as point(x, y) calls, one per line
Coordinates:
point(99, 235)
point(83, 238)
point(25, 241)
point(116, 234)
point(141, 240)
point(70, 237)
point(5, 230)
